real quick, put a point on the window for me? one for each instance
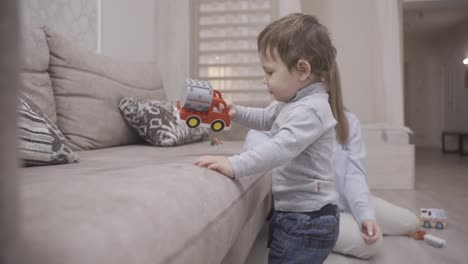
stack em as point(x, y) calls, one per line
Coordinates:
point(225, 45)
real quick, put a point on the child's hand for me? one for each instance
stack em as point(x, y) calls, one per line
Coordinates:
point(231, 108)
point(370, 231)
point(216, 163)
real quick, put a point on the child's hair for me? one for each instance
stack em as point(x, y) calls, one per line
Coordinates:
point(299, 36)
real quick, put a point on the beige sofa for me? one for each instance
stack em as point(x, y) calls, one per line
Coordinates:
point(127, 202)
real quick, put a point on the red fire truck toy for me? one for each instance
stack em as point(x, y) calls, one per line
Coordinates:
point(201, 104)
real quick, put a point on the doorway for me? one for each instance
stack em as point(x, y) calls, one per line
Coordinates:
point(435, 44)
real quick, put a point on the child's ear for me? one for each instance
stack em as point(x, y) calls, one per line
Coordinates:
point(304, 69)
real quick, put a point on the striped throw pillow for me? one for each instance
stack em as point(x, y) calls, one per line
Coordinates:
point(40, 141)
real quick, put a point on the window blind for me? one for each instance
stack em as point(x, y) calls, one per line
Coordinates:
point(225, 45)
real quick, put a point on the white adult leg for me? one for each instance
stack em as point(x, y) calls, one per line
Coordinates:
point(394, 220)
point(350, 241)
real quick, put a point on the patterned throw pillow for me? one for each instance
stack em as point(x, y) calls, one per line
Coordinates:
point(156, 123)
point(40, 141)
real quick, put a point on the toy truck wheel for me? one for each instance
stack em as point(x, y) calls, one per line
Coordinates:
point(439, 225)
point(427, 224)
point(217, 125)
point(193, 121)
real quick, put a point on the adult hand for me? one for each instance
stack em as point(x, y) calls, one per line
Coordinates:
point(370, 231)
point(216, 163)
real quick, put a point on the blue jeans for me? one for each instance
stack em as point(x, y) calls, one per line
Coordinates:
point(303, 237)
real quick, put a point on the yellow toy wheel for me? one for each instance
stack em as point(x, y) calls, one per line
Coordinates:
point(217, 125)
point(193, 121)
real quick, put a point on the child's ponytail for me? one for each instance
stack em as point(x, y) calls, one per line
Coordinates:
point(336, 104)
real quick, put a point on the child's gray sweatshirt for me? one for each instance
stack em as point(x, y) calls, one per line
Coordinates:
point(300, 153)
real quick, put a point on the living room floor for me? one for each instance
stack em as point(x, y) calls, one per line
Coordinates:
point(441, 182)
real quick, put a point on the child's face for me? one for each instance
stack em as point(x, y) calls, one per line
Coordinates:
point(281, 83)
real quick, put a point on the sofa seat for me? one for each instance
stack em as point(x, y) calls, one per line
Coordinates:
point(137, 204)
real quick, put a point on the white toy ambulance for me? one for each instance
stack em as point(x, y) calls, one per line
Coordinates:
point(433, 217)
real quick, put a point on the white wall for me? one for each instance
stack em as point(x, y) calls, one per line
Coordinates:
point(356, 69)
point(128, 29)
point(367, 36)
point(76, 19)
point(286, 7)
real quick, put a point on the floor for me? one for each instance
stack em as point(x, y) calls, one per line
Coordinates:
point(441, 182)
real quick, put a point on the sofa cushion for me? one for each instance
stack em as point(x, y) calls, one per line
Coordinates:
point(34, 76)
point(88, 88)
point(157, 123)
point(40, 141)
point(137, 204)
